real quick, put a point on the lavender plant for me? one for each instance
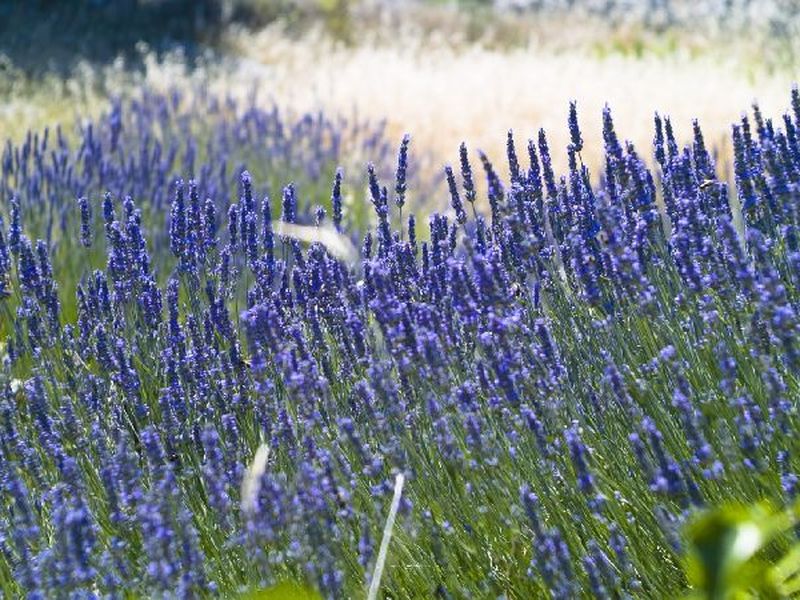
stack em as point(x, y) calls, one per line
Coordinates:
point(197, 400)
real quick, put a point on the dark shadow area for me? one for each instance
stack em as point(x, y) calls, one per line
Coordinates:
point(41, 37)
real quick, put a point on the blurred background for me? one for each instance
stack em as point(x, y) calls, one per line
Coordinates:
point(443, 71)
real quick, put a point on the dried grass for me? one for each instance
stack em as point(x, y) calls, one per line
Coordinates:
point(442, 90)
point(443, 95)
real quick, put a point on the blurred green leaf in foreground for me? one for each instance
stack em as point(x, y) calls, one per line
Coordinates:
point(283, 591)
point(739, 552)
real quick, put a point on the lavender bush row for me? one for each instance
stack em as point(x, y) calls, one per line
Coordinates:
point(146, 143)
point(777, 16)
point(563, 371)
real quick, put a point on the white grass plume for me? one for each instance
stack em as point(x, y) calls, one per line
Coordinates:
point(337, 244)
point(251, 482)
point(375, 584)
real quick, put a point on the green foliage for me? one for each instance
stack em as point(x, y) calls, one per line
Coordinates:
point(738, 553)
point(286, 590)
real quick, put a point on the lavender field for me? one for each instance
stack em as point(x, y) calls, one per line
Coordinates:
point(248, 351)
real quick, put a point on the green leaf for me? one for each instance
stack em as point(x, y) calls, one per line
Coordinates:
point(720, 543)
point(286, 590)
point(723, 545)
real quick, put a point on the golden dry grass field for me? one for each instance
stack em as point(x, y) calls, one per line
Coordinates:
point(442, 95)
point(431, 83)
